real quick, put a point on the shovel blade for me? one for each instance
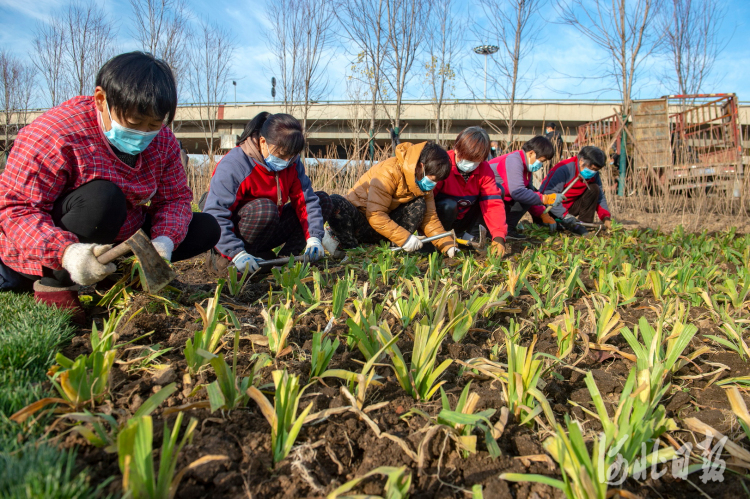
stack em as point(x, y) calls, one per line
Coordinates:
point(156, 270)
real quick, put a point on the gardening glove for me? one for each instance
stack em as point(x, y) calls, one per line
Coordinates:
point(549, 222)
point(452, 252)
point(243, 260)
point(412, 244)
point(548, 199)
point(314, 250)
point(164, 246)
point(607, 223)
point(572, 224)
point(80, 261)
point(498, 247)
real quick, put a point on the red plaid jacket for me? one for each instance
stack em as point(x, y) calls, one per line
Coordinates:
point(60, 151)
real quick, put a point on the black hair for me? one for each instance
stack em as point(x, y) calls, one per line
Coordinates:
point(436, 161)
point(139, 83)
point(591, 155)
point(280, 130)
point(552, 125)
point(541, 146)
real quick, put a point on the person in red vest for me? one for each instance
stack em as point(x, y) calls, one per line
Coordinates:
point(513, 174)
point(586, 197)
point(91, 172)
point(470, 196)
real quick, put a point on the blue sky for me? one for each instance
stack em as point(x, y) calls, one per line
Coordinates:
point(560, 67)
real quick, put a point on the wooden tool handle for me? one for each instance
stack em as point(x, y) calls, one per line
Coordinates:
point(114, 253)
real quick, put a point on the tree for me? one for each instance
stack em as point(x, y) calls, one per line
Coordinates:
point(301, 35)
point(89, 42)
point(691, 41)
point(162, 29)
point(406, 21)
point(443, 41)
point(16, 88)
point(623, 29)
point(366, 27)
point(208, 71)
point(49, 59)
point(513, 27)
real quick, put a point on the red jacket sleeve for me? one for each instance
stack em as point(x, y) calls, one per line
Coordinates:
point(35, 176)
point(171, 206)
point(491, 203)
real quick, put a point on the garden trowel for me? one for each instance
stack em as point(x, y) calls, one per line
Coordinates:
point(155, 270)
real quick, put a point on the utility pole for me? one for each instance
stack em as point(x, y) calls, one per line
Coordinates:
point(486, 51)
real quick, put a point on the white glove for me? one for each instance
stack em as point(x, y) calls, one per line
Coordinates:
point(243, 260)
point(314, 250)
point(164, 246)
point(412, 244)
point(330, 243)
point(451, 252)
point(80, 261)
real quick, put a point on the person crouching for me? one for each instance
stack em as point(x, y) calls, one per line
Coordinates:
point(263, 199)
point(393, 200)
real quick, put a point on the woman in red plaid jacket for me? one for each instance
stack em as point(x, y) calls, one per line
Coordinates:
point(91, 172)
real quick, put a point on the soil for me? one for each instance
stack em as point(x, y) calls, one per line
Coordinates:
point(340, 447)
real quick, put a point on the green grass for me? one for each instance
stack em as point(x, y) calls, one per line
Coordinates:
point(30, 336)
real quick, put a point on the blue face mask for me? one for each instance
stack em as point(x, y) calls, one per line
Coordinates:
point(535, 166)
point(128, 140)
point(426, 184)
point(275, 164)
point(588, 173)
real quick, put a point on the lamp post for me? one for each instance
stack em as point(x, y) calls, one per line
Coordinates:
point(235, 92)
point(486, 51)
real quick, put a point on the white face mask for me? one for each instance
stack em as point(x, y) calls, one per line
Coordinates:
point(466, 166)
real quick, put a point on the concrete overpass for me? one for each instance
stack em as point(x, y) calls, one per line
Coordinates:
point(338, 124)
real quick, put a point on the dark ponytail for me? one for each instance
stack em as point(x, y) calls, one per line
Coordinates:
point(280, 130)
point(252, 129)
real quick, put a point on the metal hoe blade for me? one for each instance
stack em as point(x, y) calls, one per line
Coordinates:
point(156, 270)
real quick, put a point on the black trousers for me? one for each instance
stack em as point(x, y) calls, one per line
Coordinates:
point(95, 213)
point(584, 208)
point(447, 211)
point(351, 228)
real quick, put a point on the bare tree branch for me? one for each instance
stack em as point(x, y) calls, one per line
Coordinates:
point(210, 61)
point(691, 30)
point(162, 28)
point(444, 39)
point(16, 88)
point(623, 28)
point(48, 57)
point(89, 43)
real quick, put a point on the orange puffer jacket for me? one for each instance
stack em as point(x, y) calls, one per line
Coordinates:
point(390, 184)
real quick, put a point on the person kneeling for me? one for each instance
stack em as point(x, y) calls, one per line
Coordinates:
point(262, 197)
point(514, 171)
point(394, 199)
point(91, 172)
point(586, 196)
point(470, 196)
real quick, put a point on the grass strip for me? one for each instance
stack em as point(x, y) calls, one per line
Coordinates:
point(30, 336)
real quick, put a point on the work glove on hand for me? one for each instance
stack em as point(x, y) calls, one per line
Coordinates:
point(572, 224)
point(164, 246)
point(412, 244)
point(498, 247)
point(452, 251)
point(607, 223)
point(243, 260)
point(314, 250)
point(549, 199)
point(80, 261)
point(549, 222)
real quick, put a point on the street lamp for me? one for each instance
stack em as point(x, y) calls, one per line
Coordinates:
point(486, 51)
point(235, 92)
